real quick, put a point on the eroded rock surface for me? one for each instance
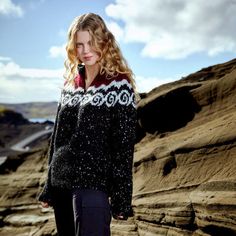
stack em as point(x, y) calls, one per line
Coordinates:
point(184, 168)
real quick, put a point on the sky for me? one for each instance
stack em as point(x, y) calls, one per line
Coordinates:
point(162, 40)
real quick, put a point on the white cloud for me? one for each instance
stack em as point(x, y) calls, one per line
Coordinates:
point(116, 30)
point(7, 7)
point(145, 84)
point(29, 84)
point(5, 58)
point(26, 90)
point(13, 69)
point(58, 51)
point(176, 29)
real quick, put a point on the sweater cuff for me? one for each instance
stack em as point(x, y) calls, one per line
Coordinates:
point(121, 205)
point(125, 211)
point(45, 195)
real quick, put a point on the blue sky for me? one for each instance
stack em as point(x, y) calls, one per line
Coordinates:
point(161, 40)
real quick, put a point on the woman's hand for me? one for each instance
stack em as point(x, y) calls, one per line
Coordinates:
point(120, 217)
point(44, 204)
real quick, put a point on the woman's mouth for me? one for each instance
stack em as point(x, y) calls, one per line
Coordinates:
point(87, 58)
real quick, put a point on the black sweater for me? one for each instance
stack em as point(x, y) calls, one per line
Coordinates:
point(93, 140)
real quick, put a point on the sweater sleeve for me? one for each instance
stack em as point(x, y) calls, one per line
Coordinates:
point(45, 195)
point(123, 135)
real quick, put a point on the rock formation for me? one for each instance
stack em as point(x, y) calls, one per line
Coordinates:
point(184, 165)
point(33, 109)
point(185, 160)
point(11, 117)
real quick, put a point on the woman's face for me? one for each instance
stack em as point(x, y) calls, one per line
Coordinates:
point(85, 52)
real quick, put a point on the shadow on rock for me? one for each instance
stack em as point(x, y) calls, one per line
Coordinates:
point(169, 112)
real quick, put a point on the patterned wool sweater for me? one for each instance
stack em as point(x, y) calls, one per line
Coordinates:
point(93, 140)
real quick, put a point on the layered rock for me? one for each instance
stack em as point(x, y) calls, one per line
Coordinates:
point(20, 212)
point(184, 168)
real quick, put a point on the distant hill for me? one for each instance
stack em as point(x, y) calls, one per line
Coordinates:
point(10, 117)
point(30, 110)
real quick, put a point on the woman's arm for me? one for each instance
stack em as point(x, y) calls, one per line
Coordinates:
point(45, 195)
point(123, 136)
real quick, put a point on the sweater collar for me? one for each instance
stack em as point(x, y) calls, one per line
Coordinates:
point(81, 71)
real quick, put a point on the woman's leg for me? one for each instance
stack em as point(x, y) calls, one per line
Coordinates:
point(63, 211)
point(92, 213)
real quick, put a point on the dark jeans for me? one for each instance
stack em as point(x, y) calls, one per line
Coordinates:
point(83, 212)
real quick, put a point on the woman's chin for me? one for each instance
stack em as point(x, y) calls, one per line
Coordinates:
point(89, 63)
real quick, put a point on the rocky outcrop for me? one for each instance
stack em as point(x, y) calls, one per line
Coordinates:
point(33, 109)
point(20, 212)
point(184, 168)
point(184, 165)
point(11, 117)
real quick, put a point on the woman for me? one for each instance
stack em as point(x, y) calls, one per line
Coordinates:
point(91, 149)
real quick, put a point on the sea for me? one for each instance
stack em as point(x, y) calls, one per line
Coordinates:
point(41, 120)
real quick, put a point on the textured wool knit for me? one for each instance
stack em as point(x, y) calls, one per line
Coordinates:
point(93, 139)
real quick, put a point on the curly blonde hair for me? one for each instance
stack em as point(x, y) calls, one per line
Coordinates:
point(111, 60)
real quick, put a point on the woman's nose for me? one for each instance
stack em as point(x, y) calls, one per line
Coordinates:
point(86, 48)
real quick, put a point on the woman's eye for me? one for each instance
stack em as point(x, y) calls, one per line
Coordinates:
point(78, 45)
